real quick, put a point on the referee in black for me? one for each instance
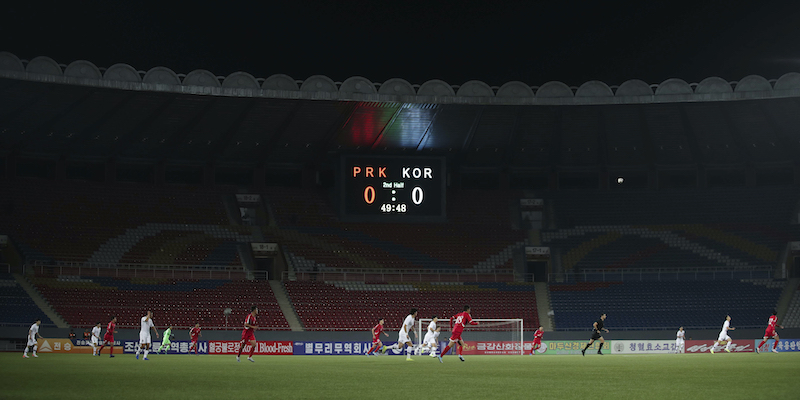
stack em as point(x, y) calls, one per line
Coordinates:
point(596, 328)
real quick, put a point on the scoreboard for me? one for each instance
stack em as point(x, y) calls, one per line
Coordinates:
point(383, 188)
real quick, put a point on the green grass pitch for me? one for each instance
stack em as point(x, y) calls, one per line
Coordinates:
point(689, 376)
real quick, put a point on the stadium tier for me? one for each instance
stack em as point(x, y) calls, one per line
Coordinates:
point(792, 318)
point(477, 236)
point(86, 222)
point(84, 300)
point(770, 205)
point(16, 306)
point(350, 305)
point(730, 227)
point(665, 304)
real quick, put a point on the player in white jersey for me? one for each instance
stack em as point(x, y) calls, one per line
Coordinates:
point(33, 333)
point(403, 340)
point(431, 340)
point(679, 341)
point(95, 339)
point(723, 335)
point(144, 335)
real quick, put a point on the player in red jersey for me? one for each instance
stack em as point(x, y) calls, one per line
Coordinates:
point(109, 337)
point(770, 333)
point(194, 334)
point(248, 335)
point(376, 340)
point(537, 340)
point(457, 324)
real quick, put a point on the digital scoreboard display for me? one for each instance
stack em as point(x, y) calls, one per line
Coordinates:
point(393, 188)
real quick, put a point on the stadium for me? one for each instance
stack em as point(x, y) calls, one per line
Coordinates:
point(332, 204)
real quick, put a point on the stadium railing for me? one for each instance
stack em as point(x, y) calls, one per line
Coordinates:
point(401, 275)
point(659, 274)
point(135, 270)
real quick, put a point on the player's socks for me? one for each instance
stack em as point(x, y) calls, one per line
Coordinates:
point(599, 350)
point(409, 350)
point(138, 351)
point(237, 359)
point(446, 349)
point(111, 351)
point(729, 346)
point(775, 345)
point(146, 352)
point(26, 351)
point(252, 350)
point(760, 345)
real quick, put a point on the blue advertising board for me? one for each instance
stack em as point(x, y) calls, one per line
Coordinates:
point(338, 349)
point(783, 345)
point(176, 347)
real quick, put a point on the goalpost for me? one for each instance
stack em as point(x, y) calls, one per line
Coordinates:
point(491, 330)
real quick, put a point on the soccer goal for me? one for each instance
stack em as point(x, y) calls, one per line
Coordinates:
point(492, 332)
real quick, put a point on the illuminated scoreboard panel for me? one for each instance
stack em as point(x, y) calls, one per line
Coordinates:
point(393, 188)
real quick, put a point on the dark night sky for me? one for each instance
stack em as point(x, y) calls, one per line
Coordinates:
point(451, 40)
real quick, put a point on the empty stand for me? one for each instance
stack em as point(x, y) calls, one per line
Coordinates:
point(81, 221)
point(792, 318)
point(478, 235)
point(16, 307)
point(84, 300)
point(664, 304)
point(358, 305)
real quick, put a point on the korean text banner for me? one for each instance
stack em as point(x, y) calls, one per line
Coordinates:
point(333, 348)
point(268, 347)
point(783, 345)
point(643, 347)
point(572, 347)
point(61, 346)
point(175, 347)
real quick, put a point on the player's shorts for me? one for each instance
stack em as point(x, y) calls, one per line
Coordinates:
point(430, 341)
point(194, 340)
point(537, 341)
point(403, 337)
point(31, 342)
point(248, 336)
point(94, 340)
point(108, 338)
point(165, 342)
point(596, 335)
point(455, 337)
point(724, 336)
point(144, 338)
point(769, 333)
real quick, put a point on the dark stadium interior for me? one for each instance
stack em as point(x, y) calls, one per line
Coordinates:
point(149, 194)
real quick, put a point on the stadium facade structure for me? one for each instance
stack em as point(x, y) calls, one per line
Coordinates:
point(529, 137)
point(356, 88)
point(541, 137)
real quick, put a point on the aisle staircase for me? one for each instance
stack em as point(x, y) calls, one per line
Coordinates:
point(286, 306)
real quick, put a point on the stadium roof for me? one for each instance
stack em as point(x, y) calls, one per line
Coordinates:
point(356, 88)
point(79, 111)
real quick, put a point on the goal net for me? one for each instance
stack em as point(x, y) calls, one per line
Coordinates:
point(493, 336)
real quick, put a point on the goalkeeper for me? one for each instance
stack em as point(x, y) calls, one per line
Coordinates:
point(167, 341)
